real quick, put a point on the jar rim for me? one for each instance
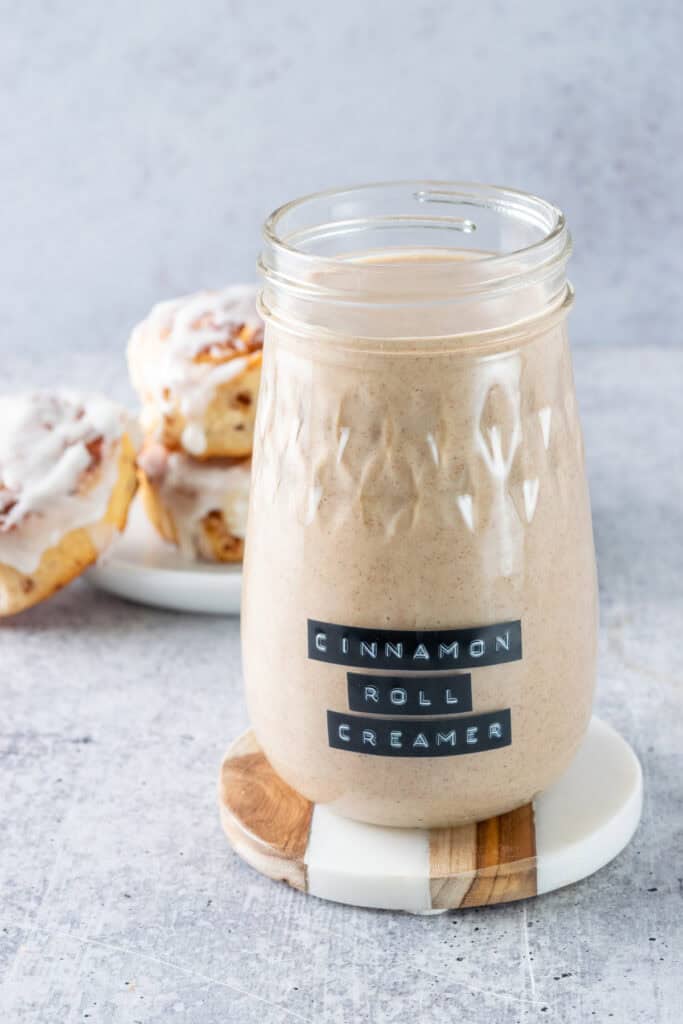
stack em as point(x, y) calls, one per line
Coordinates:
point(287, 261)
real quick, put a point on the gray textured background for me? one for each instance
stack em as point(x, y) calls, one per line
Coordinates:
point(145, 140)
point(121, 902)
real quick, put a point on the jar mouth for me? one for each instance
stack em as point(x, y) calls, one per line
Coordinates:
point(418, 240)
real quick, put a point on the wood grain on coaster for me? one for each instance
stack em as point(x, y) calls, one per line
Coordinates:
point(493, 861)
point(266, 820)
point(269, 823)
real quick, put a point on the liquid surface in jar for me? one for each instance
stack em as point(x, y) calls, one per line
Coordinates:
point(422, 294)
point(419, 615)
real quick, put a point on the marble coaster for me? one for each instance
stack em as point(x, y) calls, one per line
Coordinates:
point(570, 831)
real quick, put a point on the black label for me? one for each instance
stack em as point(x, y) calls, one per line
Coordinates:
point(417, 651)
point(436, 738)
point(410, 695)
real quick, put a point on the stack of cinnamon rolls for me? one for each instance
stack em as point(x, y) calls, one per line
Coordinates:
point(196, 364)
point(70, 462)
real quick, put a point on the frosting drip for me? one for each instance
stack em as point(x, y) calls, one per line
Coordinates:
point(188, 347)
point(57, 468)
point(191, 490)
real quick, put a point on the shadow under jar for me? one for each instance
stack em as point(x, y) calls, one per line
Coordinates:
point(419, 613)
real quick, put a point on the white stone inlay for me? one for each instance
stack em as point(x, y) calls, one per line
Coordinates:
point(367, 865)
point(591, 813)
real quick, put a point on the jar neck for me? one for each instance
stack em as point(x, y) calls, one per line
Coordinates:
point(414, 260)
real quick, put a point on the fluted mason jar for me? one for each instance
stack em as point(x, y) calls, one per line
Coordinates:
point(419, 611)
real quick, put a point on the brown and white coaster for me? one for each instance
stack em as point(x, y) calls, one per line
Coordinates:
point(570, 831)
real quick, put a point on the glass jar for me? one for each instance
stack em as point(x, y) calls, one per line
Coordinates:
point(419, 611)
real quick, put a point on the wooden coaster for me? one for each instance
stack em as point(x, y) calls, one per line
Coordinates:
point(569, 832)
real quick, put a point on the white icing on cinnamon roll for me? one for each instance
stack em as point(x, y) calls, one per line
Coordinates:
point(185, 352)
point(58, 465)
point(189, 491)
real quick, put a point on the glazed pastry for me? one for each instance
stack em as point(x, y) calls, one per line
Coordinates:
point(199, 506)
point(196, 364)
point(67, 476)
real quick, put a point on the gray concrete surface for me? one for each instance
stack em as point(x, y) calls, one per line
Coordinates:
point(121, 901)
point(144, 142)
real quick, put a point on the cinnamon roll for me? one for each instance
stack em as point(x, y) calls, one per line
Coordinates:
point(67, 476)
point(196, 364)
point(199, 506)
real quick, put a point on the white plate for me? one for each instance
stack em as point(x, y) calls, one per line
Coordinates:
point(141, 567)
